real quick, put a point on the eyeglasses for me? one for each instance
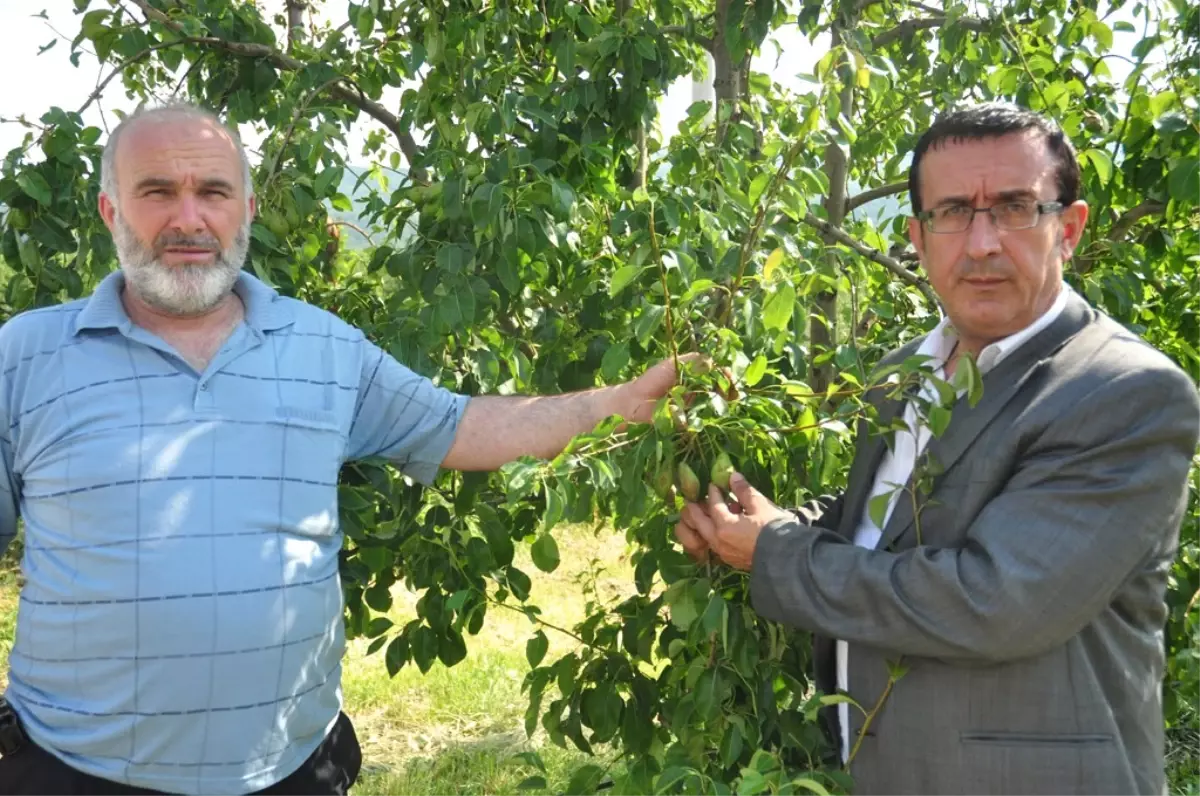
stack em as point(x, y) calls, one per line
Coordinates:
point(1017, 214)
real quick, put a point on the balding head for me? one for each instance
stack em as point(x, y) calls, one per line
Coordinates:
point(173, 113)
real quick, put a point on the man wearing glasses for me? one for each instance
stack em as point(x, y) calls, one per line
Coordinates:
point(1005, 636)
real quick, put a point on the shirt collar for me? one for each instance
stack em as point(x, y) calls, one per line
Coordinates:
point(941, 341)
point(266, 310)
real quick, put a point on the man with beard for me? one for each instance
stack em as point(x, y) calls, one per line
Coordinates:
point(173, 444)
point(1001, 630)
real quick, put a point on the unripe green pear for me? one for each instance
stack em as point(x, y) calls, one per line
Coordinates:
point(689, 484)
point(663, 480)
point(722, 468)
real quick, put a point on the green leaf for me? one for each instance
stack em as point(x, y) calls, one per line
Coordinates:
point(774, 259)
point(35, 185)
point(967, 377)
point(325, 179)
point(648, 322)
point(424, 648)
point(671, 776)
point(1102, 34)
point(615, 360)
point(777, 313)
point(1184, 181)
point(396, 655)
point(752, 782)
point(451, 647)
point(536, 782)
point(878, 505)
point(585, 779)
point(757, 186)
point(621, 279)
point(366, 23)
point(535, 649)
point(545, 553)
point(939, 420)
point(1101, 162)
point(810, 785)
point(756, 371)
point(645, 47)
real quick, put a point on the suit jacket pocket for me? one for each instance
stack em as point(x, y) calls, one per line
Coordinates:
point(999, 761)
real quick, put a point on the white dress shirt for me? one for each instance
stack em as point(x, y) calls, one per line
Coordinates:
point(897, 463)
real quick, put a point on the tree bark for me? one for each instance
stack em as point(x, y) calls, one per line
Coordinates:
point(727, 75)
point(295, 32)
point(823, 323)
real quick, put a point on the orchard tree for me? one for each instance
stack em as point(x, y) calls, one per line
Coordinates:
point(533, 230)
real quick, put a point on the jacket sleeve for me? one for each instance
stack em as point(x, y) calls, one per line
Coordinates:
point(1099, 495)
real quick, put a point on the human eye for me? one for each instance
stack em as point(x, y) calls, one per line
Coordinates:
point(951, 212)
point(1015, 209)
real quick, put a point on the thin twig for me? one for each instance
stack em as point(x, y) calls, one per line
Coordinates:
point(1016, 45)
point(539, 620)
point(759, 217)
point(355, 227)
point(870, 718)
point(95, 95)
point(662, 273)
point(874, 255)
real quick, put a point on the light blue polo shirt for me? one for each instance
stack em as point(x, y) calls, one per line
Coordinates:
point(180, 626)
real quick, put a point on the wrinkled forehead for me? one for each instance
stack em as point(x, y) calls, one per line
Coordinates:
point(177, 148)
point(981, 169)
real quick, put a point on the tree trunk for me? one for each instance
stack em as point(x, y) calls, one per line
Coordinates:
point(727, 75)
point(823, 324)
point(295, 11)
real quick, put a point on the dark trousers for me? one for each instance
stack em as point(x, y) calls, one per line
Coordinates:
point(331, 769)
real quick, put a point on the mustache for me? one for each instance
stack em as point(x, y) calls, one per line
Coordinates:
point(983, 269)
point(171, 238)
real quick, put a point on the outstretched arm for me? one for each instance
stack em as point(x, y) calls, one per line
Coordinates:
point(498, 429)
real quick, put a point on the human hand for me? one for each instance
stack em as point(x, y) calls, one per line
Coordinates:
point(640, 395)
point(716, 527)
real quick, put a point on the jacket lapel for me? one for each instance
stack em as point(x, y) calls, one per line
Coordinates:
point(1000, 385)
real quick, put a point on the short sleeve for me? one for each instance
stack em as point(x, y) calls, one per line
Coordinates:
point(403, 417)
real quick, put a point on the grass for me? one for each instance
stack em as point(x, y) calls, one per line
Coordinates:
point(452, 730)
point(456, 730)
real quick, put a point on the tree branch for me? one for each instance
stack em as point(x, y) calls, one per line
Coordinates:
point(339, 89)
point(874, 255)
point(857, 201)
point(693, 36)
point(1122, 225)
point(103, 84)
point(910, 26)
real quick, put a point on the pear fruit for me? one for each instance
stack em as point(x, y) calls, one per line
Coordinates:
point(689, 484)
point(722, 468)
point(663, 481)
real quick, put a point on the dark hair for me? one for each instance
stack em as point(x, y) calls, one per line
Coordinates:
point(991, 120)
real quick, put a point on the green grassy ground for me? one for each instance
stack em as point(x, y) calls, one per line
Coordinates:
point(456, 731)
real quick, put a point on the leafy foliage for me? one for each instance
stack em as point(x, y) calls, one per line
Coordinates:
point(542, 236)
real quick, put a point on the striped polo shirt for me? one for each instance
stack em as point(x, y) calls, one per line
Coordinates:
point(180, 625)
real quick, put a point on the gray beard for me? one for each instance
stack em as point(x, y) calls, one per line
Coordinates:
point(179, 289)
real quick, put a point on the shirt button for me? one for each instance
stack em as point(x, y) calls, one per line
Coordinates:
point(203, 385)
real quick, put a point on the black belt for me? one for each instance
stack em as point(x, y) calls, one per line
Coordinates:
point(12, 734)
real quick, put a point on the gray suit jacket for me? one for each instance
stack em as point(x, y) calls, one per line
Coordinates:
point(1031, 615)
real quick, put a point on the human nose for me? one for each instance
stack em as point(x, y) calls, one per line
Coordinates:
point(983, 238)
point(188, 218)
